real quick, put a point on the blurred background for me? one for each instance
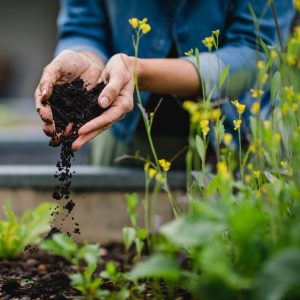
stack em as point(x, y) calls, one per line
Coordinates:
point(27, 43)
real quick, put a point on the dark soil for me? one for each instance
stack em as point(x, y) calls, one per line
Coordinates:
point(43, 276)
point(35, 275)
point(72, 106)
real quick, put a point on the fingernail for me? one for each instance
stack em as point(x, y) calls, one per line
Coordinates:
point(104, 101)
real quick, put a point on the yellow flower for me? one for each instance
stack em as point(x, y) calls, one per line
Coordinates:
point(257, 174)
point(223, 170)
point(252, 148)
point(250, 166)
point(237, 124)
point(261, 64)
point(240, 107)
point(151, 172)
point(247, 179)
point(256, 92)
point(190, 106)
point(204, 126)
point(291, 59)
point(285, 109)
point(273, 54)
point(144, 21)
point(297, 4)
point(255, 108)
point(284, 164)
point(295, 106)
point(267, 124)
point(264, 78)
point(227, 138)
point(134, 22)
point(146, 166)
point(277, 137)
point(165, 164)
point(195, 117)
point(208, 42)
point(216, 114)
point(145, 28)
point(290, 93)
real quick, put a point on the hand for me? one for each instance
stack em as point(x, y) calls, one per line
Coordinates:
point(65, 68)
point(118, 94)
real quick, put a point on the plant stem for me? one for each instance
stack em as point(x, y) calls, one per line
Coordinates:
point(277, 25)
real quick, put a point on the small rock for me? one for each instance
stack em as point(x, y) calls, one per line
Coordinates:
point(25, 298)
point(31, 262)
point(103, 252)
point(41, 268)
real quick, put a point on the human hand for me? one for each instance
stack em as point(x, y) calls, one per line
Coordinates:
point(66, 67)
point(117, 95)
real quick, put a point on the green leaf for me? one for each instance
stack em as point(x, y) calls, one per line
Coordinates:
point(275, 85)
point(129, 234)
point(200, 147)
point(223, 76)
point(209, 96)
point(132, 201)
point(264, 46)
point(191, 231)
point(219, 131)
point(280, 277)
point(60, 244)
point(89, 253)
point(142, 233)
point(144, 113)
point(16, 234)
point(77, 281)
point(158, 266)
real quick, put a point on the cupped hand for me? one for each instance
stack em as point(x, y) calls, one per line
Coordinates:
point(65, 68)
point(117, 95)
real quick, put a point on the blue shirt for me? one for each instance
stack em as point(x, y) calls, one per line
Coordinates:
point(102, 26)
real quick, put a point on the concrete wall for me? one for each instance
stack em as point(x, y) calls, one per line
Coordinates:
point(101, 215)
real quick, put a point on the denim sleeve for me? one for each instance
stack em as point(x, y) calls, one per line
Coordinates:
point(239, 44)
point(83, 25)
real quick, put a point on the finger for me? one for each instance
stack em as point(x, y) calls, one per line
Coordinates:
point(49, 130)
point(50, 76)
point(84, 139)
point(91, 76)
point(111, 91)
point(109, 117)
point(45, 114)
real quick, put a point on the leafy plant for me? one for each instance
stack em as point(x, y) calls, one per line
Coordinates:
point(240, 236)
point(16, 234)
point(85, 259)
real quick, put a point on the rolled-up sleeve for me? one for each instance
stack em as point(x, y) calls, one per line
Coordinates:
point(239, 45)
point(84, 25)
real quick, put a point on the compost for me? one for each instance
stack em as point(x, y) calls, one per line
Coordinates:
point(72, 106)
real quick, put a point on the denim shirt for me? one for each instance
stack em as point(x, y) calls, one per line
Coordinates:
point(102, 26)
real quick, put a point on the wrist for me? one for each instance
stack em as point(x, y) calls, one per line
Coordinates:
point(139, 66)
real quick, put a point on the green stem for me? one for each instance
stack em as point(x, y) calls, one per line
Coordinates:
point(240, 154)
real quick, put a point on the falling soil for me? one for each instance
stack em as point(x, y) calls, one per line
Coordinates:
point(72, 106)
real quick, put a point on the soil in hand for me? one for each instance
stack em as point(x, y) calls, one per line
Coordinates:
point(72, 106)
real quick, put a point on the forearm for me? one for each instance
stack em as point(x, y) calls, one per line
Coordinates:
point(168, 76)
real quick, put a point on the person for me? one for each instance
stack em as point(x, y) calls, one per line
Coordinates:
point(95, 43)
